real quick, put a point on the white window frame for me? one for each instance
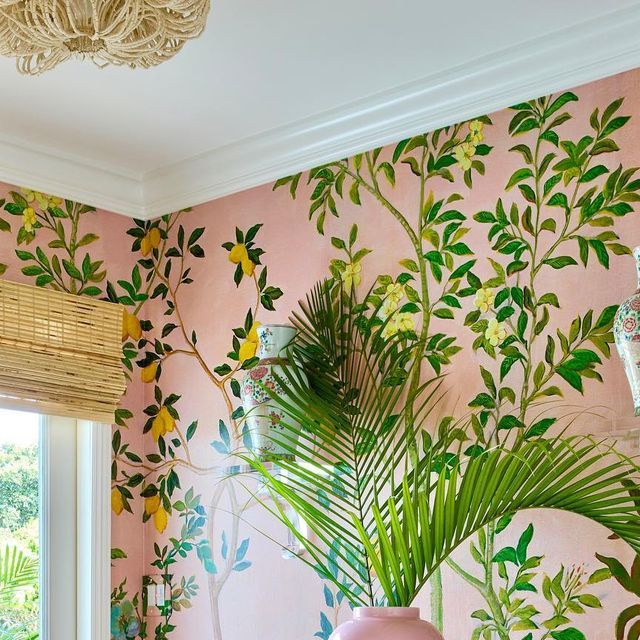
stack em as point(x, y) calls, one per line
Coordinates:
point(75, 502)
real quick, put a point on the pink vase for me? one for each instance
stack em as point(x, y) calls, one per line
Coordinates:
point(386, 623)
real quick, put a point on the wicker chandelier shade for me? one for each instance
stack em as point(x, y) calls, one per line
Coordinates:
point(135, 33)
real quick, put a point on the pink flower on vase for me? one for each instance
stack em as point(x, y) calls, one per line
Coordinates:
point(258, 373)
point(635, 303)
point(629, 325)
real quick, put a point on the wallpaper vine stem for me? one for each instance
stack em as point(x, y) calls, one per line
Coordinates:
point(500, 245)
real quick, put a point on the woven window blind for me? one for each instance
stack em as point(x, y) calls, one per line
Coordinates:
point(60, 353)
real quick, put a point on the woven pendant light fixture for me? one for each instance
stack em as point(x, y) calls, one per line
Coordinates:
point(136, 33)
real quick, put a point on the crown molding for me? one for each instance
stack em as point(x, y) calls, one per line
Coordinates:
point(78, 179)
point(559, 60)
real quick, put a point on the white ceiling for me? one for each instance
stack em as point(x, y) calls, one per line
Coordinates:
point(277, 85)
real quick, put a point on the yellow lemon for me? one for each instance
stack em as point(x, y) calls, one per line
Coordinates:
point(169, 422)
point(248, 267)
point(252, 336)
point(145, 246)
point(160, 519)
point(162, 423)
point(116, 501)
point(154, 237)
point(238, 253)
point(247, 350)
point(152, 504)
point(131, 326)
point(148, 374)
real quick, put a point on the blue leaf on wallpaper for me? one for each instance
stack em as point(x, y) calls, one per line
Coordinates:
point(323, 498)
point(340, 597)
point(328, 597)
point(246, 438)
point(225, 547)
point(224, 434)
point(242, 550)
point(203, 550)
point(220, 447)
point(241, 566)
point(326, 628)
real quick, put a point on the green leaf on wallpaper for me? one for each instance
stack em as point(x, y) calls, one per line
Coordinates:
point(614, 125)
point(558, 200)
point(571, 377)
point(400, 147)
point(604, 146)
point(509, 422)
point(599, 575)
point(410, 264)
point(568, 634)
point(483, 400)
point(559, 102)
point(504, 522)
point(593, 173)
point(518, 176)
point(539, 428)
point(389, 172)
point(508, 554)
point(117, 554)
point(560, 262)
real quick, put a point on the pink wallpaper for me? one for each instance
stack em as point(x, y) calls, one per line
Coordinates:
point(258, 593)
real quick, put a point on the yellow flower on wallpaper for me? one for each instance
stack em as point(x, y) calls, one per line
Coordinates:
point(131, 326)
point(44, 199)
point(160, 519)
point(476, 129)
point(351, 276)
point(117, 505)
point(249, 347)
point(29, 219)
point(150, 241)
point(400, 322)
point(464, 152)
point(495, 332)
point(240, 255)
point(392, 298)
point(484, 299)
point(152, 504)
point(162, 423)
point(148, 373)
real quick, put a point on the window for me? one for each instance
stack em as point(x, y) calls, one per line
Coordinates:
point(54, 524)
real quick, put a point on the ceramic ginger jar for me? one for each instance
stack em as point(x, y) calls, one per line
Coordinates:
point(265, 420)
point(386, 623)
point(626, 329)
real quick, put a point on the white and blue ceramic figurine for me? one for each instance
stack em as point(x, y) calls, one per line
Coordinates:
point(626, 329)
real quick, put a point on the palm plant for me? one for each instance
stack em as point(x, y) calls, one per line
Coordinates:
point(357, 479)
point(18, 571)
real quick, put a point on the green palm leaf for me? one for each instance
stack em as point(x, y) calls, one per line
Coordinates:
point(18, 571)
point(386, 523)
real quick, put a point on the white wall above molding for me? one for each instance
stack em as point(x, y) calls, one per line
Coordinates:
point(549, 62)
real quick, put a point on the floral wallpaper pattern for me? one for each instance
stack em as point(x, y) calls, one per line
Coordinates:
point(480, 239)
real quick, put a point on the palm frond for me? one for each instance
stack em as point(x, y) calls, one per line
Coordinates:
point(387, 523)
point(18, 571)
point(427, 522)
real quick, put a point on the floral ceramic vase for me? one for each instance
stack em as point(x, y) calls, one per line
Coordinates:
point(265, 420)
point(386, 623)
point(626, 329)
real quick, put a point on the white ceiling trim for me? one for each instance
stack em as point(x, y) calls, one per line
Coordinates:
point(559, 60)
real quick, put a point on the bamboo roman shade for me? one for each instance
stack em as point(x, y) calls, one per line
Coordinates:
point(60, 353)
